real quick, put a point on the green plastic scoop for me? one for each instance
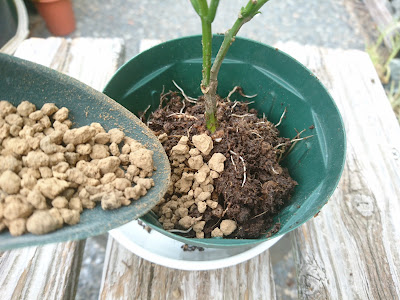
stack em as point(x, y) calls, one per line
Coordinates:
point(22, 80)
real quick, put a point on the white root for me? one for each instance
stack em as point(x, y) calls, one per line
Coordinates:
point(259, 215)
point(183, 107)
point(234, 105)
point(182, 115)
point(162, 96)
point(144, 112)
point(244, 166)
point(188, 132)
point(280, 120)
point(231, 93)
point(233, 163)
point(240, 92)
point(273, 170)
point(244, 171)
point(242, 116)
point(180, 231)
point(189, 99)
point(255, 133)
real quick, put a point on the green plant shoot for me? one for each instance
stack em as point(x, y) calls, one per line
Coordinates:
point(209, 82)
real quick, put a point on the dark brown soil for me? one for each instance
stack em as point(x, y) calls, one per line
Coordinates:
point(249, 143)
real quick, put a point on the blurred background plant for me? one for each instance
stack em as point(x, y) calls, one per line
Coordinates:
point(394, 98)
point(384, 53)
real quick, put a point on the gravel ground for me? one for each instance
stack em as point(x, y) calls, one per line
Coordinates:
point(324, 23)
point(329, 23)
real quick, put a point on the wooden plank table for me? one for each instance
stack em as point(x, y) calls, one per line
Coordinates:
point(350, 251)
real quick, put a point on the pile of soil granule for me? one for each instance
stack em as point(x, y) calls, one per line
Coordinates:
point(253, 187)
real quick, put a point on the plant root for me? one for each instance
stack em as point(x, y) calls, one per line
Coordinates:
point(180, 231)
point(240, 91)
point(182, 115)
point(143, 114)
point(244, 166)
point(189, 99)
point(281, 118)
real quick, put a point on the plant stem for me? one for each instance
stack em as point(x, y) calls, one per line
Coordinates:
point(245, 15)
point(206, 41)
point(195, 5)
point(210, 91)
point(207, 15)
point(212, 10)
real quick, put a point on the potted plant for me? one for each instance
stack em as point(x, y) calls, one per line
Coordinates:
point(288, 96)
point(58, 15)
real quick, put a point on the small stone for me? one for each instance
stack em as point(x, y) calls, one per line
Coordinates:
point(214, 174)
point(25, 108)
point(199, 226)
point(102, 138)
point(195, 162)
point(110, 201)
point(212, 204)
point(163, 137)
point(197, 192)
point(70, 217)
point(217, 233)
point(182, 212)
point(17, 227)
point(186, 222)
point(194, 152)
point(10, 182)
point(79, 135)
point(216, 162)
point(14, 119)
point(116, 135)
point(84, 149)
point(61, 115)
point(36, 115)
point(201, 206)
point(60, 202)
point(203, 196)
point(180, 149)
point(228, 226)
point(49, 108)
point(203, 142)
point(200, 235)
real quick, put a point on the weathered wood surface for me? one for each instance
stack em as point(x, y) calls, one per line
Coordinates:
point(352, 249)
point(52, 271)
point(382, 17)
point(127, 276)
point(47, 272)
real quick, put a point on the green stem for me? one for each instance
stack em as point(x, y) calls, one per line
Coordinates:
point(206, 41)
point(212, 10)
point(210, 92)
point(195, 5)
point(245, 15)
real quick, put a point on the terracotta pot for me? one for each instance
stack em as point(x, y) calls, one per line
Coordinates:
point(58, 15)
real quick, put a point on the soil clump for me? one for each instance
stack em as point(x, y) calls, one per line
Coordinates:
point(253, 186)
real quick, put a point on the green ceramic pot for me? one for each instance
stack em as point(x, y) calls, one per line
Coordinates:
point(280, 81)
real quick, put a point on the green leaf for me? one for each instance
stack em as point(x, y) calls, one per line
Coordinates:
point(196, 6)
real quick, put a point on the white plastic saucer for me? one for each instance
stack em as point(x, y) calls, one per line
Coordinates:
point(160, 249)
